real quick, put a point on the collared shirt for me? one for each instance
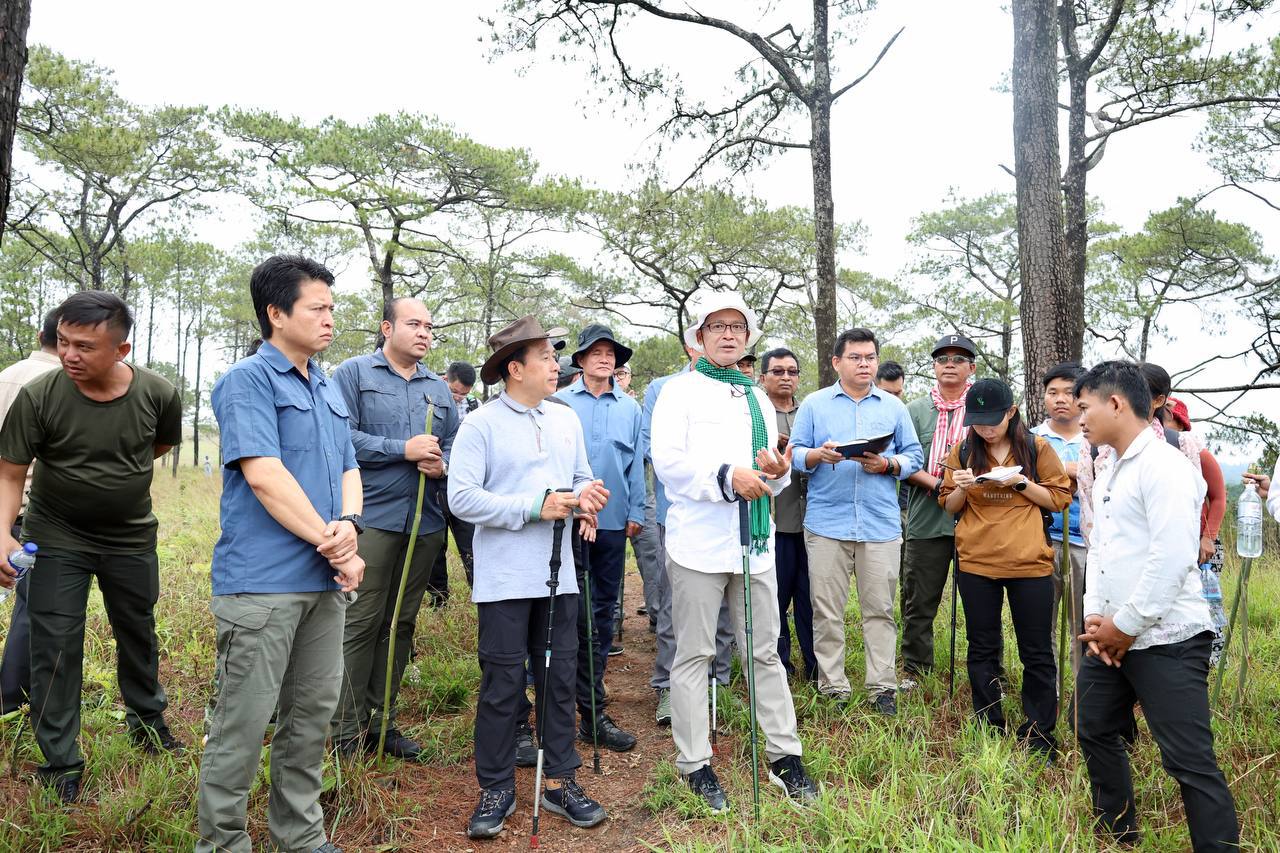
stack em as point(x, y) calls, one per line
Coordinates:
point(1068, 450)
point(386, 411)
point(925, 518)
point(613, 427)
point(651, 392)
point(265, 407)
point(700, 425)
point(12, 378)
point(788, 509)
point(507, 457)
point(1141, 567)
point(845, 502)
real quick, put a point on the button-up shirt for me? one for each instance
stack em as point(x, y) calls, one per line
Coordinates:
point(788, 509)
point(265, 407)
point(1068, 450)
point(845, 502)
point(1141, 567)
point(613, 427)
point(12, 378)
point(700, 425)
point(386, 411)
point(506, 458)
point(661, 502)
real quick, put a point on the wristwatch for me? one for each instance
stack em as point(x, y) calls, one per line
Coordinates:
point(357, 522)
point(1021, 485)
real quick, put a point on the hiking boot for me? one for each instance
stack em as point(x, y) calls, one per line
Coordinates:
point(885, 704)
point(66, 787)
point(788, 774)
point(328, 847)
point(491, 813)
point(664, 706)
point(572, 803)
point(526, 752)
point(157, 740)
point(704, 783)
point(615, 649)
point(839, 698)
point(611, 737)
point(396, 745)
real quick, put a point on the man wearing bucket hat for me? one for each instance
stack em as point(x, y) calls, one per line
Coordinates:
point(509, 459)
point(611, 423)
point(713, 447)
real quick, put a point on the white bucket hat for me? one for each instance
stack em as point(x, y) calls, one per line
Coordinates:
point(720, 300)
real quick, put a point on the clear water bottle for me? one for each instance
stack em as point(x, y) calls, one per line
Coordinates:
point(21, 562)
point(1213, 595)
point(1249, 523)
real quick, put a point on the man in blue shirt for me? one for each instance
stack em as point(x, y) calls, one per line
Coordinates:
point(283, 566)
point(611, 424)
point(387, 394)
point(1062, 430)
point(852, 522)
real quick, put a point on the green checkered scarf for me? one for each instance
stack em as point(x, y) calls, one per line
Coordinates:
point(761, 529)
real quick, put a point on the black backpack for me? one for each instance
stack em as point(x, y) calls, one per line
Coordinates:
point(1033, 453)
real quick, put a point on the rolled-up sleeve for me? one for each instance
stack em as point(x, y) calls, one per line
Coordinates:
point(245, 409)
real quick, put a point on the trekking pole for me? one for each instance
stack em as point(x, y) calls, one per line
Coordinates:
point(1231, 624)
point(557, 533)
point(744, 531)
point(395, 617)
point(955, 596)
point(1064, 604)
point(592, 645)
point(713, 706)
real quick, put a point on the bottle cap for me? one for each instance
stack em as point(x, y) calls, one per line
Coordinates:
point(31, 547)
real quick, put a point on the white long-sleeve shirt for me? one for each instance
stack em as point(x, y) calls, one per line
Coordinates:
point(1273, 496)
point(1141, 568)
point(699, 425)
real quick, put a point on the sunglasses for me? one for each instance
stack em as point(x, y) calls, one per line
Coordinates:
point(953, 359)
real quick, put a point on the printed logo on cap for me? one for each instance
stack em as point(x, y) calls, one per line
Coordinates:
point(954, 338)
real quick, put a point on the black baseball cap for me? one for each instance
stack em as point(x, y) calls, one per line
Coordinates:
point(987, 402)
point(955, 341)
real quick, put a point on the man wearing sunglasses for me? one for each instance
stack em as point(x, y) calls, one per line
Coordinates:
point(938, 418)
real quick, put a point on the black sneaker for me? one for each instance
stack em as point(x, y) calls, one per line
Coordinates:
point(328, 847)
point(155, 741)
point(491, 813)
point(396, 745)
point(885, 704)
point(615, 649)
point(704, 783)
point(572, 803)
point(526, 752)
point(66, 787)
point(788, 774)
point(611, 737)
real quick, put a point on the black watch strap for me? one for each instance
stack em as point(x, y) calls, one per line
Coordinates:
point(356, 521)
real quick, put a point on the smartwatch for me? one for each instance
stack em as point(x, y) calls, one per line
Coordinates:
point(356, 521)
point(1020, 486)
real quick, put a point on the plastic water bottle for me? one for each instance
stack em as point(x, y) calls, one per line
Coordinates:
point(1249, 523)
point(1213, 595)
point(20, 561)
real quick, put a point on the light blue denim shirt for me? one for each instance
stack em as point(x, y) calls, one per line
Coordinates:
point(1068, 451)
point(613, 427)
point(845, 502)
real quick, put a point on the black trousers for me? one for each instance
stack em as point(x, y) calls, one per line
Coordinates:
point(1172, 683)
point(15, 671)
point(510, 632)
point(1031, 607)
point(608, 556)
point(463, 534)
point(792, 562)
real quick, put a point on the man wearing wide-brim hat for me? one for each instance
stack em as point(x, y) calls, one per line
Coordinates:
point(611, 423)
point(511, 456)
point(713, 446)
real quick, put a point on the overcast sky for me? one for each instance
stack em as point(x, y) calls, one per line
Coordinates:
point(929, 120)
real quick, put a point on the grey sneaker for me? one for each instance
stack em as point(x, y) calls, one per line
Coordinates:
point(664, 706)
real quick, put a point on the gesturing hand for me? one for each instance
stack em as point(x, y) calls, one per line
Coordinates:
point(773, 464)
point(593, 497)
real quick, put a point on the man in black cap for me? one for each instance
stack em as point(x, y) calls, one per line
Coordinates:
point(747, 366)
point(611, 424)
point(938, 418)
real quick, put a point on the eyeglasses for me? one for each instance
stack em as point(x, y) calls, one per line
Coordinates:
point(783, 371)
point(719, 328)
point(953, 359)
point(854, 358)
point(618, 374)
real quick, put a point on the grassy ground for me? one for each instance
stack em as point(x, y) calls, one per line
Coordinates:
point(929, 780)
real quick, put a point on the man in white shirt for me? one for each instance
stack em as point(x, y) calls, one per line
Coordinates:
point(1147, 625)
point(711, 447)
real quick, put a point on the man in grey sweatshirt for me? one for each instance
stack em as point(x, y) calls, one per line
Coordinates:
point(510, 458)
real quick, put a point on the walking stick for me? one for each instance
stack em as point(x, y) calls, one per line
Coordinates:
point(557, 533)
point(592, 645)
point(713, 706)
point(395, 616)
point(744, 531)
point(1064, 566)
point(955, 595)
point(1245, 566)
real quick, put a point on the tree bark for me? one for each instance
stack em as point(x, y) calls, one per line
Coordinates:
point(1052, 310)
point(15, 16)
point(195, 414)
point(824, 212)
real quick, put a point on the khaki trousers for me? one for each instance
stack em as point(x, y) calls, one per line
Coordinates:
point(695, 609)
point(832, 563)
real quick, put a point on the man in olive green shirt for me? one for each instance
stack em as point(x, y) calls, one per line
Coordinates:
point(93, 428)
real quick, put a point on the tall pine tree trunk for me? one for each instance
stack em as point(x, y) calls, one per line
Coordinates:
point(195, 413)
point(824, 210)
point(15, 16)
point(1052, 312)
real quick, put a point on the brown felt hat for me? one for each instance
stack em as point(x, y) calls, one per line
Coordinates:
point(509, 339)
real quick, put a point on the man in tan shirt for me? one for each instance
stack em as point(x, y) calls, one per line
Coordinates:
point(15, 671)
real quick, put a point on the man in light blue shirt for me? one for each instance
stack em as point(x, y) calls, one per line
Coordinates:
point(1062, 430)
point(611, 425)
point(852, 522)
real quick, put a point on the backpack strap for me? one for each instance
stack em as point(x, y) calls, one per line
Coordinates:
point(1171, 436)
